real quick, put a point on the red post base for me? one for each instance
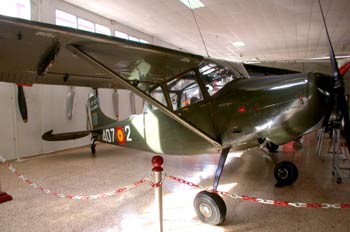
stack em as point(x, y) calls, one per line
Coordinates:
point(4, 197)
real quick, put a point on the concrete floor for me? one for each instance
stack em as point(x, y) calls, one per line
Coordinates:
point(75, 172)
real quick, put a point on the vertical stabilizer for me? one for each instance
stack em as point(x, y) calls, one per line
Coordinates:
point(98, 118)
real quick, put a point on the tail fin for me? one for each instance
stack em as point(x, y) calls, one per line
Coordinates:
point(98, 118)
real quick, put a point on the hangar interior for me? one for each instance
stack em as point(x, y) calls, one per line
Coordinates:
point(241, 31)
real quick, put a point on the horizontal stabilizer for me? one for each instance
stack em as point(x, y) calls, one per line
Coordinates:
point(48, 136)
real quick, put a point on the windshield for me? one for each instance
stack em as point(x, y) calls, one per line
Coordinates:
point(215, 75)
point(186, 89)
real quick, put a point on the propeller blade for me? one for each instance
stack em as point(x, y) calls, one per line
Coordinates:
point(335, 70)
point(338, 85)
point(22, 104)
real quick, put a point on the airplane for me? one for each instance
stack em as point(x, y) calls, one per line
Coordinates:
point(194, 104)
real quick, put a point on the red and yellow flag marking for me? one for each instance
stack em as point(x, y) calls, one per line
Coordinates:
point(120, 135)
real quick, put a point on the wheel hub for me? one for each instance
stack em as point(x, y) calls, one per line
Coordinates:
point(205, 210)
point(283, 173)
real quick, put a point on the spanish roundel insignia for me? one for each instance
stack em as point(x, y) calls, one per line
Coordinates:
point(120, 135)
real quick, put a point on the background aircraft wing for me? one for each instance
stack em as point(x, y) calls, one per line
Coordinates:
point(33, 52)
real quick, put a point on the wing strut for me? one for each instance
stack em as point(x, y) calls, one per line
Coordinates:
point(48, 59)
point(78, 51)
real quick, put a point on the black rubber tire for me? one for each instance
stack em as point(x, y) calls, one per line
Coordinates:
point(271, 147)
point(210, 208)
point(286, 173)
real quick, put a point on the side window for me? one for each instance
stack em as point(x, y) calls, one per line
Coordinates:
point(159, 96)
point(184, 91)
point(215, 76)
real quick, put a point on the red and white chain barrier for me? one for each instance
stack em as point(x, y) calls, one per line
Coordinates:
point(176, 179)
point(264, 201)
point(79, 197)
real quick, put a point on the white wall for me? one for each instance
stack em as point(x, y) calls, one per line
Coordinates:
point(47, 104)
point(7, 135)
point(44, 11)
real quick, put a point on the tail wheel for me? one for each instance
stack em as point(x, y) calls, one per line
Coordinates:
point(93, 148)
point(286, 173)
point(272, 147)
point(210, 208)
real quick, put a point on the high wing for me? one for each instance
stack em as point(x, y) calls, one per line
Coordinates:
point(27, 47)
point(34, 52)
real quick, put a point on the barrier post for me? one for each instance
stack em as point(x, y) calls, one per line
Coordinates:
point(4, 196)
point(157, 162)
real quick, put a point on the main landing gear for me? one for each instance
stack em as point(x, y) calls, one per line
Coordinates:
point(210, 207)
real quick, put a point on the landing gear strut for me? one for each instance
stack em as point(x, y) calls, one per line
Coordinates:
point(209, 206)
point(268, 144)
point(93, 147)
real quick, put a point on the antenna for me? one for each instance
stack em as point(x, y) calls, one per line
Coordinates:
point(199, 29)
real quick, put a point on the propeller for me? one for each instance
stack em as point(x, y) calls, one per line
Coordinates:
point(339, 92)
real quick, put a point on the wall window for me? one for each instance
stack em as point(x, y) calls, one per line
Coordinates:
point(16, 8)
point(123, 35)
point(134, 38)
point(144, 41)
point(66, 19)
point(120, 34)
point(86, 25)
point(102, 29)
point(70, 20)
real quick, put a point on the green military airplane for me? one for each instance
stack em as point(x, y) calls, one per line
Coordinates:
point(195, 105)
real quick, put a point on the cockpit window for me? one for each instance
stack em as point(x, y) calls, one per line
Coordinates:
point(184, 91)
point(215, 76)
point(158, 95)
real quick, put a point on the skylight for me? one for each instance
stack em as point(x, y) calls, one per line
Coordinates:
point(193, 4)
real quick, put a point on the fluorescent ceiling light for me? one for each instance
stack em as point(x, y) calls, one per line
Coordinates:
point(238, 44)
point(193, 4)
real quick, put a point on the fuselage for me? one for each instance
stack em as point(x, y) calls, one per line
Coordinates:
point(279, 108)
